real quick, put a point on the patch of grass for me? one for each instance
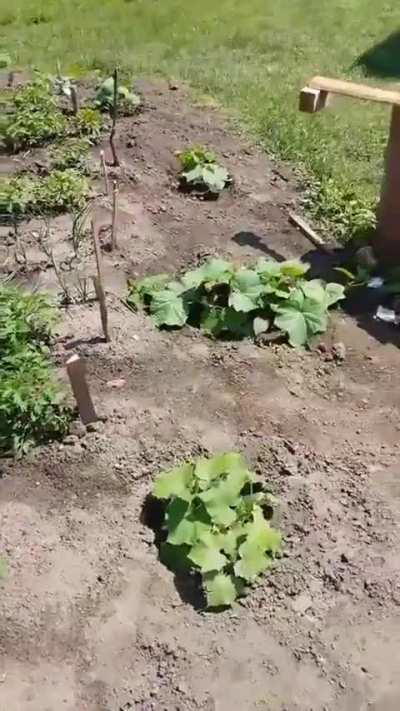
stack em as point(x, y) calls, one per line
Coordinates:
point(254, 57)
point(32, 402)
point(61, 191)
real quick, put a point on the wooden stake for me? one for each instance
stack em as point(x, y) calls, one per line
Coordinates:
point(74, 100)
point(77, 376)
point(98, 282)
point(308, 231)
point(104, 171)
point(114, 244)
point(386, 241)
point(114, 114)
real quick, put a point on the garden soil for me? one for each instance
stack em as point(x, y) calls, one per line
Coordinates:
point(90, 620)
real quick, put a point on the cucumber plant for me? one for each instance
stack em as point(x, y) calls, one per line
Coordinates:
point(235, 301)
point(201, 172)
point(216, 524)
point(128, 101)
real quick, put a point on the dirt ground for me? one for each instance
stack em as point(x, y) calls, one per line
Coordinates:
point(90, 620)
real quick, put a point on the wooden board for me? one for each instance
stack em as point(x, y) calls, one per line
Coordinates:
point(355, 91)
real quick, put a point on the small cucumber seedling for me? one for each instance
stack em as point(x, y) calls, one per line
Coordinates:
point(201, 171)
point(128, 101)
point(216, 524)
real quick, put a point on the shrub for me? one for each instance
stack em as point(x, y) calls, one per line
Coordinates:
point(60, 191)
point(32, 407)
point(215, 524)
point(224, 299)
point(35, 116)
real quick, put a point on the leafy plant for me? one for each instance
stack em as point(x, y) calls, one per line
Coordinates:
point(32, 407)
point(224, 299)
point(60, 191)
point(72, 153)
point(215, 524)
point(200, 171)
point(128, 101)
point(89, 122)
point(35, 116)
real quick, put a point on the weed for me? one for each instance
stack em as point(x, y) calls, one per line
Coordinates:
point(32, 408)
point(89, 122)
point(61, 191)
point(35, 117)
point(201, 172)
point(72, 153)
point(215, 524)
point(237, 301)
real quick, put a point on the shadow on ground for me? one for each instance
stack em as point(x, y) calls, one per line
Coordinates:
point(383, 59)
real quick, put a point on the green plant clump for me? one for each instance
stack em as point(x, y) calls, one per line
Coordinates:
point(89, 123)
point(32, 402)
point(128, 101)
point(223, 299)
point(201, 172)
point(72, 153)
point(215, 524)
point(34, 118)
point(60, 191)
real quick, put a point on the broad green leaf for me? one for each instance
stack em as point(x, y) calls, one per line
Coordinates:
point(246, 290)
point(267, 269)
point(176, 482)
point(293, 268)
point(175, 557)
point(215, 177)
point(314, 290)
point(209, 468)
point(221, 590)
point(175, 513)
point(219, 499)
point(215, 271)
point(229, 541)
point(292, 322)
point(168, 308)
point(188, 531)
point(300, 318)
point(261, 534)
point(253, 561)
point(194, 175)
point(207, 558)
point(238, 323)
point(150, 284)
point(260, 325)
point(213, 320)
point(334, 293)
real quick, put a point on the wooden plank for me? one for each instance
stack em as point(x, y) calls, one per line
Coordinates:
point(386, 240)
point(308, 231)
point(77, 376)
point(355, 91)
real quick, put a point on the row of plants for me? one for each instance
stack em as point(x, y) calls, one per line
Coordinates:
point(59, 191)
point(217, 524)
point(224, 299)
point(33, 405)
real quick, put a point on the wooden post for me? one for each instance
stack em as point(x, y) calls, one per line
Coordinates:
point(387, 239)
point(114, 244)
point(74, 100)
point(98, 282)
point(104, 171)
point(114, 114)
point(77, 376)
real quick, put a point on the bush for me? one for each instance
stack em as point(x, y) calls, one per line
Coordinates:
point(60, 191)
point(32, 402)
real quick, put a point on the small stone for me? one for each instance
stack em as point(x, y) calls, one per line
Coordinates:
point(339, 351)
point(78, 429)
point(70, 439)
point(94, 426)
point(301, 603)
point(365, 257)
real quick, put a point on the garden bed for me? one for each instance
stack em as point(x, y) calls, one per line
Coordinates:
point(91, 619)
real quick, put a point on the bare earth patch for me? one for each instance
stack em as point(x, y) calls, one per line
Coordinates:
point(90, 619)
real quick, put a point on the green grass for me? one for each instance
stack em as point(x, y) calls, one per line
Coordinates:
point(252, 56)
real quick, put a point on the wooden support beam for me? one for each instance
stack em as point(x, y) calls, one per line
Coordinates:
point(77, 376)
point(355, 91)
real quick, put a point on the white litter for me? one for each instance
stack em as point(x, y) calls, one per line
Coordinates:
point(387, 315)
point(375, 283)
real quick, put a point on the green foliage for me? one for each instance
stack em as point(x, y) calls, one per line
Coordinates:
point(72, 153)
point(60, 191)
point(340, 207)
point(200, 171)
point(215, 524)
point(89, 123)
point(235, 301)
point(35, 116)
point(32, 408)
point(5, 60)
point(128, 102)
